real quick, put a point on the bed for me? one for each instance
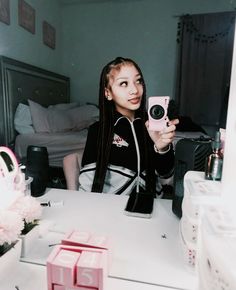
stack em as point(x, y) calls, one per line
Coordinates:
point(48, 93)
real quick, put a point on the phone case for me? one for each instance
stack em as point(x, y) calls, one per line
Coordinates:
point(140, 205)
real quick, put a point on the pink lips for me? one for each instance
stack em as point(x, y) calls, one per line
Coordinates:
point(134, 101)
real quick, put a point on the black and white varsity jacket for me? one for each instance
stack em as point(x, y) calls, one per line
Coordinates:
point(126, 166)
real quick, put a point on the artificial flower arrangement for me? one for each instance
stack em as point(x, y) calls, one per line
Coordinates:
point(11, 225)
point(19, 213)
point(30, 211)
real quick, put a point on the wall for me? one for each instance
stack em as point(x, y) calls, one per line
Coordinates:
point(18, 43)
point(144, 30)
point(88, 35)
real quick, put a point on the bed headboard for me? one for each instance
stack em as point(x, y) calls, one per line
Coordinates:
point(18, 83)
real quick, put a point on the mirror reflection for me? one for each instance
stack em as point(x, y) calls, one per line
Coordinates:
point(184, 49)
point(84, 44)
point(189, 58)
point(205, 46)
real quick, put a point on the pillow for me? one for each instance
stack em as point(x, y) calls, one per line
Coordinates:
point(39, 116)
point(83, 116)
point(59, 121)
point(48, 120)
point(63, 106)
point(51, 120)
point(22, 120)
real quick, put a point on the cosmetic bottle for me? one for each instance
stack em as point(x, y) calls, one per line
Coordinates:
point(214, 161)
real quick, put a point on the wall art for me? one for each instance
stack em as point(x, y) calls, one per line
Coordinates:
point(49, 35)
point(26, 14)
point(5, 11)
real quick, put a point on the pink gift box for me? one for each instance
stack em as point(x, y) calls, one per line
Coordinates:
point(65, 269)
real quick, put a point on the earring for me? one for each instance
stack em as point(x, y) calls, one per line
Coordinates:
point(108, 98)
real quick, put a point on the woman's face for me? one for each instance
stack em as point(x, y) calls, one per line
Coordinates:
point(125, 88)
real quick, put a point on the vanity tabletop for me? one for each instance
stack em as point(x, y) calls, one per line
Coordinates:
point(146, 252)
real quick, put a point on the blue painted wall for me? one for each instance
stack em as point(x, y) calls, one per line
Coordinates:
point(18, 43)
point(144, 30)
point(88, 35)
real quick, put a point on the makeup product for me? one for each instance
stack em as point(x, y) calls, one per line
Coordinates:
point(214, 163)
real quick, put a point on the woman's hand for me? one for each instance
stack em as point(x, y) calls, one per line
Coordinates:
point(165, 137)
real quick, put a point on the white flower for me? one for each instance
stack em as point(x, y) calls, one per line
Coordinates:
point(11, 225)
point(28, 208)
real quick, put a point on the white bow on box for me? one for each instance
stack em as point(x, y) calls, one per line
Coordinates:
point(12, 180)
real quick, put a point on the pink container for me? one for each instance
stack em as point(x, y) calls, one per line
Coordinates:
point(79, 268)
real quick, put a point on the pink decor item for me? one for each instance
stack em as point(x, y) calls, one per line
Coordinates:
point(64, 267)
point(89, 271)
point(85, 239)
point(78, 268)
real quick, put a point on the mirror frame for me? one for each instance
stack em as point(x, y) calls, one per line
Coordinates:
point(229, 165)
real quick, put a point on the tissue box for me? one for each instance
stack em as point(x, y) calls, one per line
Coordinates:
point(189, 250)
point(217, 249)
point(199, 194)
point(77, 268)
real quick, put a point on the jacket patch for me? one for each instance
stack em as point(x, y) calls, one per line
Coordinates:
point(119, 141)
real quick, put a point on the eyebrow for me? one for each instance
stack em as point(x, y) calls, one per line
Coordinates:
point(138, 75)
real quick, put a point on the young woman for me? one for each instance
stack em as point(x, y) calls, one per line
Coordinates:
point(121, 154)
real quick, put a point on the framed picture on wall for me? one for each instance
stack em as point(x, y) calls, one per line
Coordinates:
point(26, 16)
point(5, 11)
point(49, 35)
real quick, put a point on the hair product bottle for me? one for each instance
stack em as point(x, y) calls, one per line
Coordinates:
point(214, 162)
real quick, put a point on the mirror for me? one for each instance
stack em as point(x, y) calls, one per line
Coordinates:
point(15, 36)
point(80, 67)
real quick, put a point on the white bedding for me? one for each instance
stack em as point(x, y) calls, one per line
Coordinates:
point(58, 144)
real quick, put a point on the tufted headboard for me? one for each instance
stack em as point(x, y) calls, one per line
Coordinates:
point(18, 83)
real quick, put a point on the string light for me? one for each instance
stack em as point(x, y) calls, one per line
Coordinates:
point(187, 24)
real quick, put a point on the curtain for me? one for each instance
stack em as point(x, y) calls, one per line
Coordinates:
point(205, 47)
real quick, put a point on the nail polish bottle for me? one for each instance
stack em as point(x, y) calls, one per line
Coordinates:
point(214, 162)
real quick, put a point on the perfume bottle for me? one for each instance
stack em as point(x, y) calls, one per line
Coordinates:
point(214, 161)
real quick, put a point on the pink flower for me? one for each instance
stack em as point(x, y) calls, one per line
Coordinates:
point(11, 225)
point(28, 208)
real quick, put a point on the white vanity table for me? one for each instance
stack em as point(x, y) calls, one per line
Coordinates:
point(146, 253)
point(29, 277)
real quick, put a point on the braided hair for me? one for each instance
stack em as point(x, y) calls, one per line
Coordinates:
point(106, 125)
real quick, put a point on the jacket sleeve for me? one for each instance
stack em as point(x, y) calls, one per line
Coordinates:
point(164, 163)
point(90, 150)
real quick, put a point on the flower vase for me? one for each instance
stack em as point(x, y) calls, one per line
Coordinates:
point(10, 259)
point(28, 240)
